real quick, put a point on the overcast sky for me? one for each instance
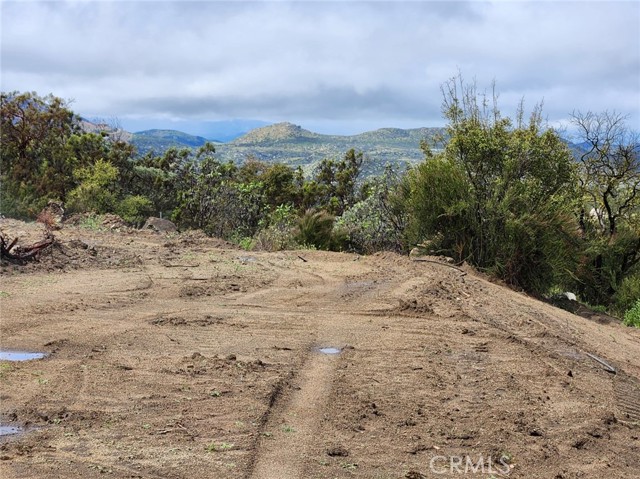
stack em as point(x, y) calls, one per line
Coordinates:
point(333, 67)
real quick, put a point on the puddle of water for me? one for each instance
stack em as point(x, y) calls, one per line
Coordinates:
point(20, 356)
point(330, 350)
point(9, 430)
point(247, 259)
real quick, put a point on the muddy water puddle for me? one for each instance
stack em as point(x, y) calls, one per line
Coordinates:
point(9, 355)
point(9, 430)
point(330, 350)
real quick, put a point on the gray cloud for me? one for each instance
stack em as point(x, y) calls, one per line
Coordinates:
point(374, 63)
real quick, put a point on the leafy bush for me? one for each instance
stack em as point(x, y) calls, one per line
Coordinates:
point(605, 263)
point(632, 317)
point(94, 193)
point(628, 293)
point(499, 196)
point(375, 223)
point(315, 228)
point(135, 209)
point(279, 232)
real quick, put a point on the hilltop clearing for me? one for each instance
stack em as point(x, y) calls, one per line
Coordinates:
point(181, 356)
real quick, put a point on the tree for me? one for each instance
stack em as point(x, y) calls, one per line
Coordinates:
point(211, 197)
point(35, 165)
point(500, 194)
point(378, 221)
point(610, 210)
point(334, 184)
point(96, 189)
point(45, 155)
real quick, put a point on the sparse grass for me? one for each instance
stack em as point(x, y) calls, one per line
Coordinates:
point(219, 446)
point(4, 368)
point(287, 428)
point(506, 457)
point(91, 222)
point(4, 294)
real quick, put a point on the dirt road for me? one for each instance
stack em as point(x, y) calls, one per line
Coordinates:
point(186, 358)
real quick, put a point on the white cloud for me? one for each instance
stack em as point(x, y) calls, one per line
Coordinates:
point(377, 63)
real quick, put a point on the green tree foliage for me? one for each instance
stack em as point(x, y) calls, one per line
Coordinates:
point(96, 189)
point(610, 207)
point(499, 196)
point(45, 155)
point(211, 198)
point(334, 185)
point(36, 165)
point(316, 229)
point(378, 221)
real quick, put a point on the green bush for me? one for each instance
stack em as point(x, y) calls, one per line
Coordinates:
point(316, 229)
point(135, 209)
point(376, 223)
point(499, 196)
point(278, 230)
point(628, 293)
point(632, 317)
point(94, 193)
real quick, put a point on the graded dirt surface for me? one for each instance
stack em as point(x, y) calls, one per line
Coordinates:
point(183, 357)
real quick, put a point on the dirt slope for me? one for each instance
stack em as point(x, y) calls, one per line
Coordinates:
point(183, 357)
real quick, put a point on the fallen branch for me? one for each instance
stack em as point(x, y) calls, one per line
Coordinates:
point(13, 253)
point(606, 365)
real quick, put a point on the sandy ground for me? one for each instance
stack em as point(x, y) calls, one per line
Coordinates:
point(183, 357)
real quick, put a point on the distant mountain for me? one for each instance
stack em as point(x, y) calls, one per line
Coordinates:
point(101, 128)
point(274, 134)
point(158, 141)
point(295, 146)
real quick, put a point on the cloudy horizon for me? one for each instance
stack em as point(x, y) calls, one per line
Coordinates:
point(332, 67)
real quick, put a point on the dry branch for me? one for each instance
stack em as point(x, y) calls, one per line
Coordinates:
point(17, 254)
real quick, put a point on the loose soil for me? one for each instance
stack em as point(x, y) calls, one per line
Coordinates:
point(183, 357)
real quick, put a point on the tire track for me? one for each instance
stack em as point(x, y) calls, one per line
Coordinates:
point(291, 428)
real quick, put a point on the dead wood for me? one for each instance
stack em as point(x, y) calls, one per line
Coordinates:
point(10, 251)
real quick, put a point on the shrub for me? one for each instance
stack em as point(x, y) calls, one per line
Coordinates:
point(628, 293)
point(95, 191)
point(376, 223)
point(279, 232)
point(632, 317)
point(499, 196)
point(135, 209)
point(315, 228)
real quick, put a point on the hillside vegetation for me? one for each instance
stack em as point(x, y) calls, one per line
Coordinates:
point(161, 140)
point(505, 195)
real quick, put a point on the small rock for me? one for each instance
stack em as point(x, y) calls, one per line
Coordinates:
point(160, 225)
point(337, 451)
